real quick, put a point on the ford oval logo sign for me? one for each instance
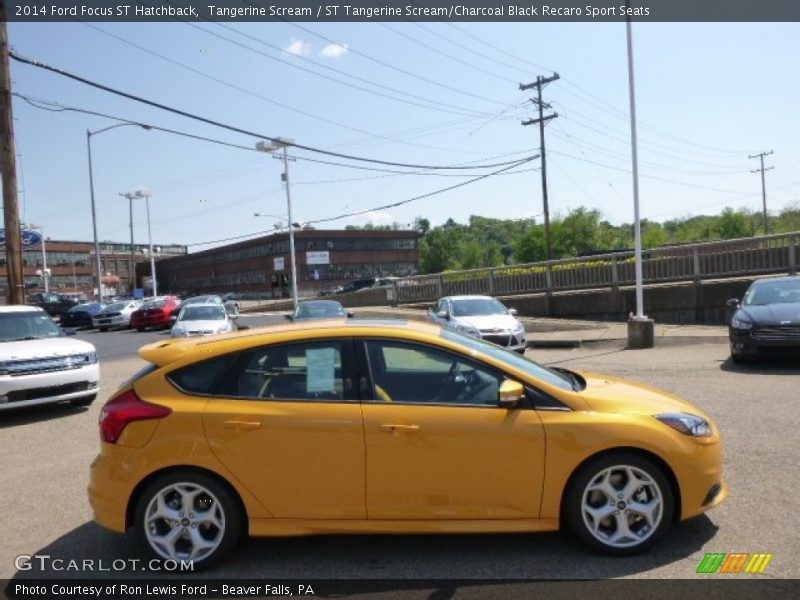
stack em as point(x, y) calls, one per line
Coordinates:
point(29, 237)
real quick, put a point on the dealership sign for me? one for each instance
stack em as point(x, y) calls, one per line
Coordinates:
point(29, 237)
point(277, 264)
point(318, 258)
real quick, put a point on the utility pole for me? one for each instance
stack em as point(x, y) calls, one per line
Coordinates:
point(8, 172)
point(539, 84)
point(761, 170)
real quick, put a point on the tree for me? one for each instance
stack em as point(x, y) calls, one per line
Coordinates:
point(732, 224)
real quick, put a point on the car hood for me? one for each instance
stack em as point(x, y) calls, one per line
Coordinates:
point(614, 395)
point(770, 314)
point(44, 348)
point(483, 322)
point(200, 325)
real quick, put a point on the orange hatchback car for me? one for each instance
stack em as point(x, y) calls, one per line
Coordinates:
point(390, 427)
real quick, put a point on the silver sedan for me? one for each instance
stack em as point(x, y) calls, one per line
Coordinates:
point(483, 317)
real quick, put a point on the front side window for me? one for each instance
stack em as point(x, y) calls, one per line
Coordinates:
point(418, 374)
point(307, 371)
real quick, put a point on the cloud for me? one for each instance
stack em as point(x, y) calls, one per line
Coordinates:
point(376, 216)
point(298, 48)
point(334, 50)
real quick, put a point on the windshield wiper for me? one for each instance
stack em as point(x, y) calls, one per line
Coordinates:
point(573, 379)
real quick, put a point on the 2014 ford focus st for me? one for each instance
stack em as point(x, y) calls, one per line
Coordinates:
point(390, 427)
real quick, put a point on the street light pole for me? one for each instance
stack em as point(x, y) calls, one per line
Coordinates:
point(132, 266)
point(89, 134)
point(640, 328)
point(98, 266)
point(271, 147)
point(150, 243)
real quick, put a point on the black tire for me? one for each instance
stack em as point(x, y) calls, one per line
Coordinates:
point(228, 502)
point(103, 328)
point(140, 329)
point(85, 401)
point(573, 511)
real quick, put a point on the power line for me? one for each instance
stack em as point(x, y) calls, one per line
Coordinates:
point(428, 195)
point(208, 121)
point(252, 93)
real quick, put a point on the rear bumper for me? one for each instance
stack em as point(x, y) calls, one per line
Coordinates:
point(111, 322)
point(108, 494)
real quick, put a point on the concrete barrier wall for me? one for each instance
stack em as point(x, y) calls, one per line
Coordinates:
point(691, 303)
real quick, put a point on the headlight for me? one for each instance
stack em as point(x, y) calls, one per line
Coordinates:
point(178, 332)
point(468, 330)
point(91, 357)
point(687, 424)
point(739, 324)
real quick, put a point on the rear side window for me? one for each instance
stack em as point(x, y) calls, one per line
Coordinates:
point(203, 377)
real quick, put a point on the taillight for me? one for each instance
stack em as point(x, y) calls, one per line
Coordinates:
point(124, 409)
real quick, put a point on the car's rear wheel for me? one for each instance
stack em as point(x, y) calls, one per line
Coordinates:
point(140, 329)
point(620, 504)
point(186, 515)
point(85, 401)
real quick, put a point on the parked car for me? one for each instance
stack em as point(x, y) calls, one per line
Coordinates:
point(358, 284)
point(231, 305)
point(480, 316)
point(268, 434)
point(202, 319)
point(54, 305)
point(116, 315)
point(319, 309)
point(39, 365)
point(81, 315)
point(767, 320)
point(155, 313)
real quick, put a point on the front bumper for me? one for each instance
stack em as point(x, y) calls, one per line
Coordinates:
point(46, 388)
point(507, 339)
point(111, 322)
point(753, 342)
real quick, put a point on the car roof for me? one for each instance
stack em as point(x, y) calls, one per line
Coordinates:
point(773, 279)
point(166, 352)
point(14, 308)
point(203, 305)
point(472, 297)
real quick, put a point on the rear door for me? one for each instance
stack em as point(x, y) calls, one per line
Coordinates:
point(286, 422)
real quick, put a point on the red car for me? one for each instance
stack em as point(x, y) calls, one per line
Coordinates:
point(155, 313)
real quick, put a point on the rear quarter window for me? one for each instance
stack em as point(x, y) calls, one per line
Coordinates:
point(202, 377)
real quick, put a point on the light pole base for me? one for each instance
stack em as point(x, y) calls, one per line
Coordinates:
point(641, 333)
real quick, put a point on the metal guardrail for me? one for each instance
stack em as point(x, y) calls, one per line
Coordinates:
point(690, 262)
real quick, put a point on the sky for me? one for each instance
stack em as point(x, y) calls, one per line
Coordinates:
point(428, 94)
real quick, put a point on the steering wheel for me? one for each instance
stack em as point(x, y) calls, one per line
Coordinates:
point(453, 379)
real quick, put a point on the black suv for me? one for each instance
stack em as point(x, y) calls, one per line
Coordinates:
point(54, 305)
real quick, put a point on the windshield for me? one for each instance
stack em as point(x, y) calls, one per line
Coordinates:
point(83, 308)
point(512, 359)
point(319, 310)
point(117, 306)
point(478, 307)
point(774, 292)
point(32, 325)
point(154, 304)
point(200, 300)
point(202, 313)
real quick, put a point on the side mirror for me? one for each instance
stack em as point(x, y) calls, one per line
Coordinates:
point(443, 314)
point(511, 392)
point(351, 314)
point(69, 330)
point(512, 312)
point(733, 303)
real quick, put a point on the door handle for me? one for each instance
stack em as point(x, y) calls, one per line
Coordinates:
point(242, 424)
point(397, 428)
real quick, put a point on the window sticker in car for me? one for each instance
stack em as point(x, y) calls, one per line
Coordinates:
point(321, 369)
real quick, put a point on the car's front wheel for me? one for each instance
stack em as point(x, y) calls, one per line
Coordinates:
point(619, 504)
point(186, 515)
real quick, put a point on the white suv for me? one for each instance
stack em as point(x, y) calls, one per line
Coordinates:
point(39, 365)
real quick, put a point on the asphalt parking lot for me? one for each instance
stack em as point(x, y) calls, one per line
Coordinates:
point(46, 452)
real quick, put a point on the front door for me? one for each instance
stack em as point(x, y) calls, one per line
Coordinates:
point(439, 446)
point(286, 423)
